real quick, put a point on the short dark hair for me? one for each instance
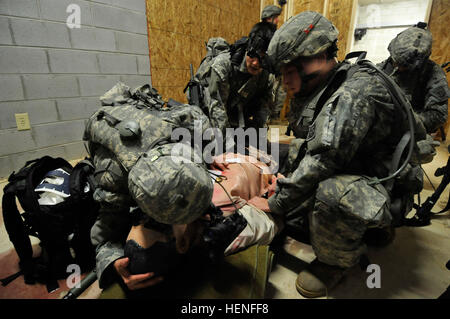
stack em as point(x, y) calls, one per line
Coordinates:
point(332, 50)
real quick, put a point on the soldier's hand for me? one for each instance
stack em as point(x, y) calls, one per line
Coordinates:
point(273, 184)
point(220, 163)
point(134, 282)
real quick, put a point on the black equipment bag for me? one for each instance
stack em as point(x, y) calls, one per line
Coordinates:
point(63, 229)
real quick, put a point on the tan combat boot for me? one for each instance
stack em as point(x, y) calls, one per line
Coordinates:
point(318, 278)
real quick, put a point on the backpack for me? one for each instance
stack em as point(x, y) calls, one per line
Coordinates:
point(214, 47)
point(63, 228)
point(238, 49)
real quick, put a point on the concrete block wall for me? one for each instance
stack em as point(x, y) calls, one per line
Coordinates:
point(56, 74)
point(384, 21)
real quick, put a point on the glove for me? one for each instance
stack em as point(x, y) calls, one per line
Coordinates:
point(426, 150)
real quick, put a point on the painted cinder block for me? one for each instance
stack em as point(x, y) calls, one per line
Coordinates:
point(50, 86)
point(131, 43)
point(56, 10)
point(114, 63)
point(96, 85)
point(62, 132)
point(11, 88)
point(72, 61)
point(90, 38)
point(40, 33)
point(23, 60)
point(119, 19)
point(5, 34)
point(20, 8)
point(39, 111)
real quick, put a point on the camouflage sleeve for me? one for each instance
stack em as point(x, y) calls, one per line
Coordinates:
point(218, 88)
point(435, 109)
point(108, 235)
point(278, 96)
point(332, 141)
point(106, 255)
point(267, 102)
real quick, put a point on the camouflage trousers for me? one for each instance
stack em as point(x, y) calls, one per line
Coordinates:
point(345, 207)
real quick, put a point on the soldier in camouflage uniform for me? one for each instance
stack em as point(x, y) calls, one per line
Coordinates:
point(422, 80)
point(138, 166)
point(270, 14)
point(347, 128)
point(130, 143)
point(239, 93)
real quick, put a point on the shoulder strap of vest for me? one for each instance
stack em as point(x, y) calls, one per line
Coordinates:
point(345, 72)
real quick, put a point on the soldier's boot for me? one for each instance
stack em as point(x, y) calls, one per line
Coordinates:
point(318, 279)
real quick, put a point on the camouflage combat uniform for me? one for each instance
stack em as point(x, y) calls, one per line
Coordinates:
point(132, 172)
point(238, 99)
point(424, 82)
point(278, 95)
point(347, 134)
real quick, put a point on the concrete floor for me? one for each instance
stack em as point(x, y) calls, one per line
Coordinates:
point(413, 266)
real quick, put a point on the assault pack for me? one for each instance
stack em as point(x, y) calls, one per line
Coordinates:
point(59, 210)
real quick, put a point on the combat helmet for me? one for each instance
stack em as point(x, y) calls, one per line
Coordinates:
point(270, 11)
point(306, 34)
point(411, 47)
point(260, 36)
point(170, 184)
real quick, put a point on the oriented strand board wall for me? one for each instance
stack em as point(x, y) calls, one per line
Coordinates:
point(438, 25)
point(178, 30)
point(307, 5)
point(340, 12)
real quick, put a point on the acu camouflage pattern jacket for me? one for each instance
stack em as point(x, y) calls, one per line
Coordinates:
point(238, 99)
point(355, 132)
point(427, 91)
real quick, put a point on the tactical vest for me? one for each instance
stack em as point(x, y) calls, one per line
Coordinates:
point(245, 90)
point(214, 47)
point(303, 114)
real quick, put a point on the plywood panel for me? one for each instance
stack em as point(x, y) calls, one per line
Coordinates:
point(211, 21)
point(197, 19)
point(339, 12)
point(307, 5)
point(438, 25)
point(169, 50)
point(178, 30)
point(170, 77)
point(165, 15)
